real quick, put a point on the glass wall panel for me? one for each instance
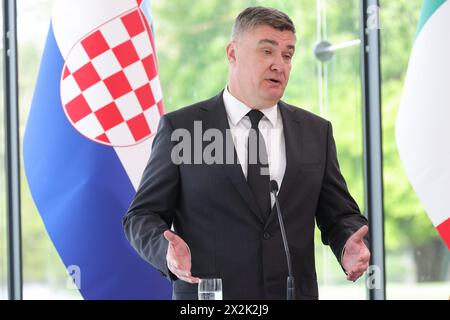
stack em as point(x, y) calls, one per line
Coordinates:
point(193, 67)
point(339, 100)
point(44, 274)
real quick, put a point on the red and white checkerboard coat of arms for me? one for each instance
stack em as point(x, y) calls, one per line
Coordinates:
point(110, 89)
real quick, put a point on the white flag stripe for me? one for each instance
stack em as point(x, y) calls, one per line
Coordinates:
point(72, 20)
point(423, 123)
point(134, 159)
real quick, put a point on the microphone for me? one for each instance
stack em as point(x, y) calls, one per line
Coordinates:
point(290, 279)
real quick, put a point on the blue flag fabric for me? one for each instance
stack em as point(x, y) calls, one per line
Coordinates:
point(93, 116)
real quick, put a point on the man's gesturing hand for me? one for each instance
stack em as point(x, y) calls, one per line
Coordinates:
point(356, 255)
point(179, 258)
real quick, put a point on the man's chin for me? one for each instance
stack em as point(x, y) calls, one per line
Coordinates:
point(272, 99)
point(268, 103)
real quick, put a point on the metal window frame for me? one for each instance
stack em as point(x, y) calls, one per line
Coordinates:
point(373, 150)
point(12, 150)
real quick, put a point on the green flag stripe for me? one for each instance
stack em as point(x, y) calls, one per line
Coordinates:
point(428, 8)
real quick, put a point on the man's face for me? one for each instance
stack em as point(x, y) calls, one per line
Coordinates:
point(260, 64)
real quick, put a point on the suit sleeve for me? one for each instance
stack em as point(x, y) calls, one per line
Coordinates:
point(152, 209)
point(338, 215)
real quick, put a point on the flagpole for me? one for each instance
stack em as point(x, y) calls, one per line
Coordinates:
point(12, 150)
point(373, 151)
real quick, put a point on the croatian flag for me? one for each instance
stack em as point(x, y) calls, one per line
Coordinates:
point(422, 127)
point(95, 110)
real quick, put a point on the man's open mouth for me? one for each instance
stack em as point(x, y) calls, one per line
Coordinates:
point(274, 80)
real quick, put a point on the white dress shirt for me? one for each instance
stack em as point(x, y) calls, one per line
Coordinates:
point(271, 128)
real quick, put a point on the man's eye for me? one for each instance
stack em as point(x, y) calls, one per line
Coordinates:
point(287, 57)
point(267, 51)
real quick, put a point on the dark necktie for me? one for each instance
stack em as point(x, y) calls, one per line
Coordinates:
point(258, 168)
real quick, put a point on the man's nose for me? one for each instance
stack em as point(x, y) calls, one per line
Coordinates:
point(277, 64)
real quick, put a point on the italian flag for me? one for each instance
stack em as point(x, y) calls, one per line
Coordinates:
point(423, 121)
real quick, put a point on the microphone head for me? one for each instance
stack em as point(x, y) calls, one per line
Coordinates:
point(273, 186)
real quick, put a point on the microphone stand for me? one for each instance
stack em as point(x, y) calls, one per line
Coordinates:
point(290, 279)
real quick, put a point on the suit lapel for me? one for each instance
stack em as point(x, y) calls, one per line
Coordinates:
point(292, 132)
point(215, 116)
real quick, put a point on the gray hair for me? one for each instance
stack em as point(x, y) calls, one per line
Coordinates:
point(258, 16)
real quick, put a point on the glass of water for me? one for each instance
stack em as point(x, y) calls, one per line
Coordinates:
point(210, 289)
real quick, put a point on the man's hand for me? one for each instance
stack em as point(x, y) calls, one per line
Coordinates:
point(179, 258)
point(356, 255)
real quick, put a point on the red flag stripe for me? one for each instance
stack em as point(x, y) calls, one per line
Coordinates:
point(444, 231)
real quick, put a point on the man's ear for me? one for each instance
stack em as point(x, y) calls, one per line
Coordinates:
point(231, 52)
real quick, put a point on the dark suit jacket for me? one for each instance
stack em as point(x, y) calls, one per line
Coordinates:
point(212, 208)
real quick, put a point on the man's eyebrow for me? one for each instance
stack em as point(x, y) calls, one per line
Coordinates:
point(274, 43)
point(270, 41)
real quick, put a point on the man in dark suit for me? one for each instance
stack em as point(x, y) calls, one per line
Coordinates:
point(221, 212)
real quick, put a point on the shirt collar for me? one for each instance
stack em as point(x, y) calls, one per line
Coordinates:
point(236, 110)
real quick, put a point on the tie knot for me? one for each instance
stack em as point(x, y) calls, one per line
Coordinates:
point(255, 116)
